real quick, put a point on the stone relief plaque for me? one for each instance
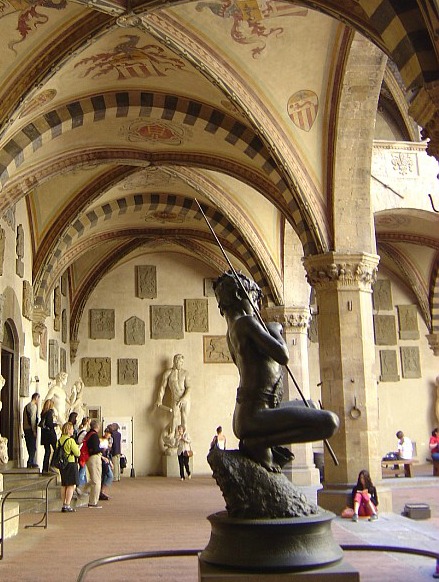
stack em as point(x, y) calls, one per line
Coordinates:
point(146, 282)
point(64, 283)
point(196, 312)
point(2, 248)
point(408, 322)
point(101, 323)
point(313, 330)
point(64, 326)
point(410, 362)
point(134, 332)
point(62, 360)
point(96, 371)
point(215, 350)
point(19, 249)
point(385, 330)
point(24, 376)
point(208, 288)
point(57, 308)
point(127, 371)
point(53, 358)
point(382, 295)
point(28, 300)
point(167, 322)
point(43, 343)
point(389, 366)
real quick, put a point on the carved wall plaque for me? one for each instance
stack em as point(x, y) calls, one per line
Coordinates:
point(146, 281)
point(28, 300)
point(2, 248)
point(57, 308)
point(410, 362)
point(64, 326)
point(19, 248)
point(389, 366)
point(2, 318)
point(134, 332)
point(215, 350)
point(382, 295)
point(101, 323)
point(43, 342)
point(53, 358)
point(62, 360)
point(127, 371)
point(196, 312)
point(96, 371)
point(167, 322)
point(408, 322)
point(24, 376)
point(385, 330)
point(313, 330)
point(64, 283)
point(208, 288)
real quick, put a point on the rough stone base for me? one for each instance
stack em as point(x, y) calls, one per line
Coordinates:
point(340, 572)
point(12, 519)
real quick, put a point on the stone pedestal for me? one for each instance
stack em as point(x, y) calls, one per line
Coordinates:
point(170, 466)
point(272, 545)
point(340, 572)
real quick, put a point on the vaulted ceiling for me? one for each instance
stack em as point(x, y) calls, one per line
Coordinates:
point(116, 116)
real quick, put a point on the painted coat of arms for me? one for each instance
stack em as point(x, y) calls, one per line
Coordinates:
point(302, 108)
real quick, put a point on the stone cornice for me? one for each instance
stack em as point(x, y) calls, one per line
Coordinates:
point(341, 270)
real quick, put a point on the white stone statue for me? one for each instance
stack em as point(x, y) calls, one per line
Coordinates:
point(176, 379)
point(59, 396)
point(4, 458)
point(75, 401)
point(2, 383)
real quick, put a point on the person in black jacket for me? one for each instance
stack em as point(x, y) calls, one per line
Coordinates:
point(94, 462)
point(48, 434)
point(365, 497)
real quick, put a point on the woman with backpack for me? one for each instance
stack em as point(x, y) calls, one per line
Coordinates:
point(69, 474)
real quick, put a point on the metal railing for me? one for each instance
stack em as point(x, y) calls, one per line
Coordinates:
point(39, 484)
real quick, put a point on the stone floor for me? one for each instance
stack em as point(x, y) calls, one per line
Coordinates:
point(157, 513)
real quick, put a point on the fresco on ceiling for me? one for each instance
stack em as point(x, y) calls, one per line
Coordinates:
point(155, 132)
point(29, 16)
point(251, 19)
point(38, 101)
point(151, 177)
point(128, 60)
point(302, 108)
point(164, 216)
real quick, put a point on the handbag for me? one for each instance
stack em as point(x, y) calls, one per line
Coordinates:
point(189, 453)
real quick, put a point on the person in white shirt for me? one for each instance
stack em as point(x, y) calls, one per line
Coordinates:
point(405, 446)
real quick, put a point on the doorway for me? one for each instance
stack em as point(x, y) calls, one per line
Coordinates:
point(7, 396)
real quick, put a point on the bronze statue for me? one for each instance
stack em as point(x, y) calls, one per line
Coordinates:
point(261, 420)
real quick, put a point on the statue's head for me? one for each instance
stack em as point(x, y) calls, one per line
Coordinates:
point(61, 378)
point(178, 361)
point(228, 291)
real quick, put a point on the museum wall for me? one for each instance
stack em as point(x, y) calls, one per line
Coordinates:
point(213, 385)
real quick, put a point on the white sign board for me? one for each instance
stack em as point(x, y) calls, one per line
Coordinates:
point(126, 430)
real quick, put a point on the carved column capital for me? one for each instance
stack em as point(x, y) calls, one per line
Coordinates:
point(293, 319)
point(425, 111)
point(433, 342)
point(39, 316)
point(342, 270)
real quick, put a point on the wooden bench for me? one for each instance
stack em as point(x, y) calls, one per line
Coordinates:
point(399, 467)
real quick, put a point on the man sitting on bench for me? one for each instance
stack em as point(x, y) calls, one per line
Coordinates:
point(405, 447)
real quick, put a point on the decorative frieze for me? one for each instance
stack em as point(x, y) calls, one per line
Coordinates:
point(293, 319)
point(382, 295)
point(167, 322)
point(408, 322)
point(101, 323)
point(215, 350)
point(389, 366)
point(53, 358)
point(28, 300)
point(146, 282)
point(19, 249)
point(24, 376)
point(134, 332)
point(127, 371)
point(96, 371)
point(385, 330)
point(410, 362)
point(342, 270)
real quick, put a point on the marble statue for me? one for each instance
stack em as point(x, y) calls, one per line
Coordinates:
point(4, 458)
point(2, 383)
point(75, 401)
point(177, 381)
point(58, 394)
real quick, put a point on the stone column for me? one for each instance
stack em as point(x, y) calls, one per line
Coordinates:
point(295, 321)
point(343, 287)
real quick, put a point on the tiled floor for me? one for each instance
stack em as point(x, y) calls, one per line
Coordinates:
point(155, 513)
